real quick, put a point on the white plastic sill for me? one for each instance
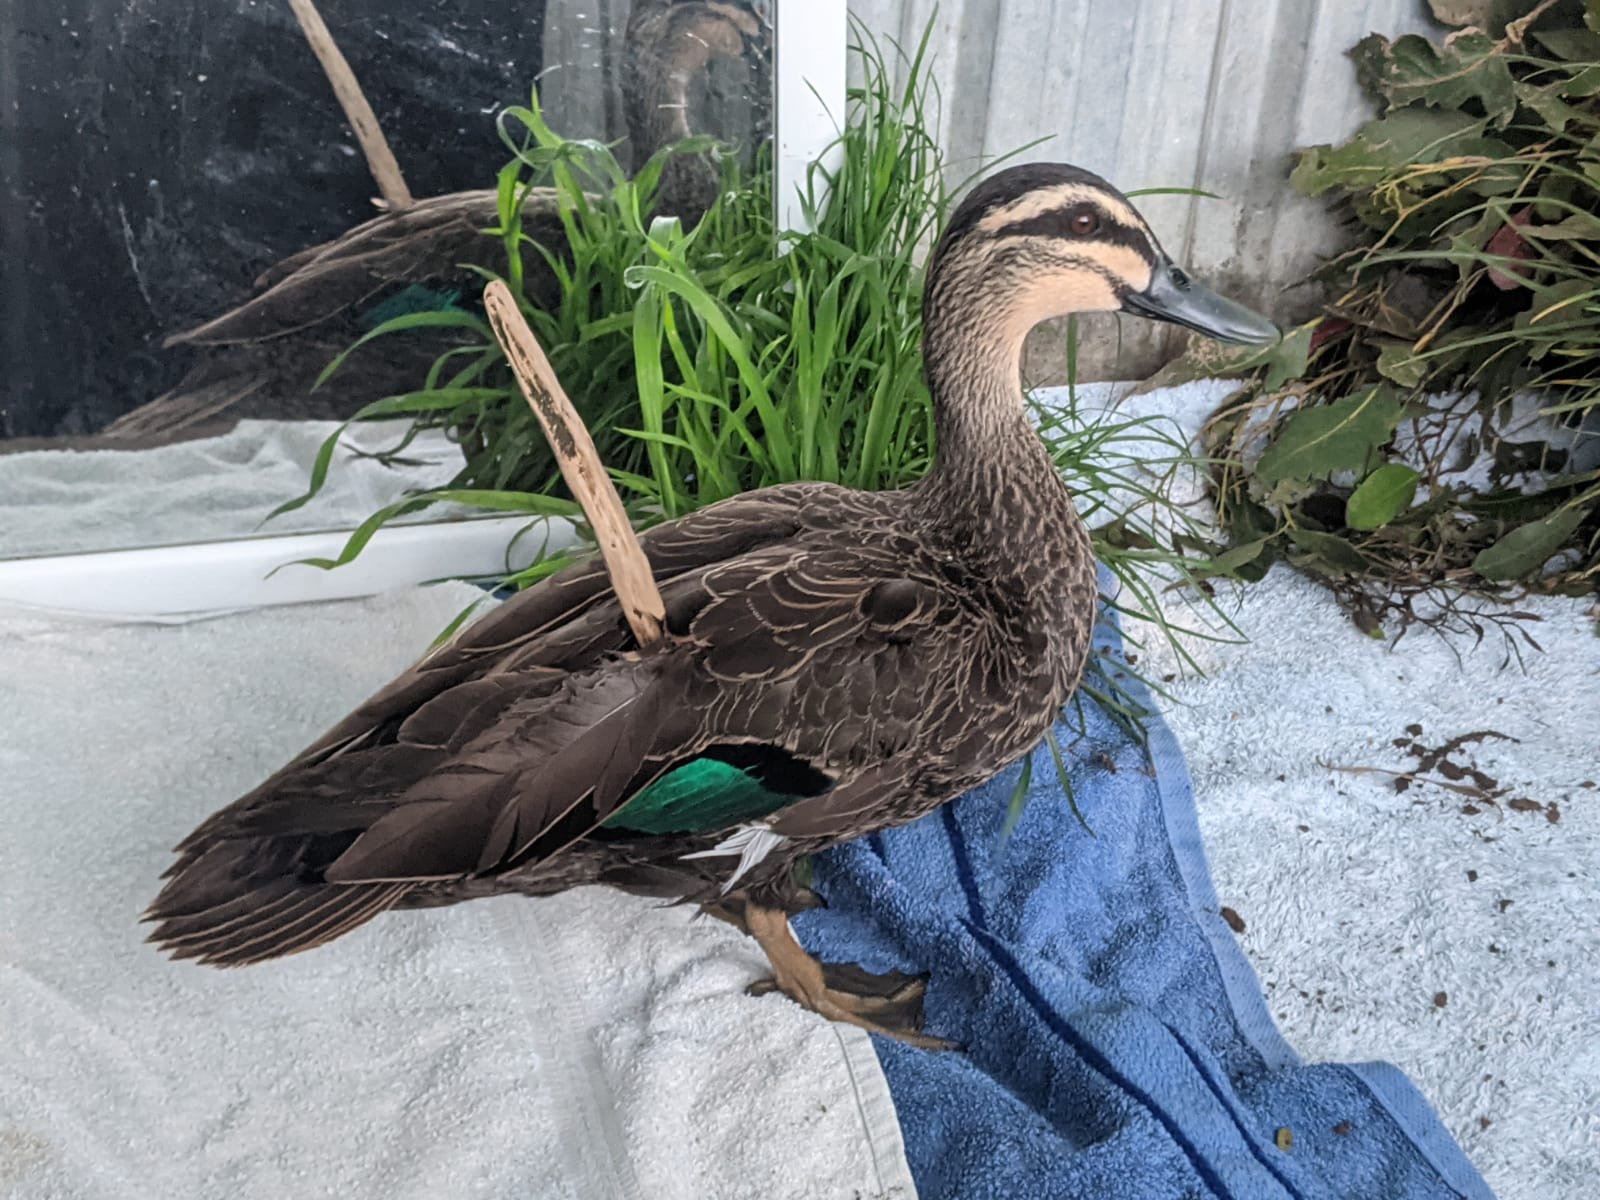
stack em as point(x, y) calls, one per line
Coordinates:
point(225, 576)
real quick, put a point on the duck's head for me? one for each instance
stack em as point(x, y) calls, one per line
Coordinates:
point(673, 41)
point(1046, 239)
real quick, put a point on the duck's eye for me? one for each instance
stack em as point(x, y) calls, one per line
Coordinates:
point(1084, 223)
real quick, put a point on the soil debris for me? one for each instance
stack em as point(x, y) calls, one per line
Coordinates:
point(1446, 766)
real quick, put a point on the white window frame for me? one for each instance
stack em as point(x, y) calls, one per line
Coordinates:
point(809, 98)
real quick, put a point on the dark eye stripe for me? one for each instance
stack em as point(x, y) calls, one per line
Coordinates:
point(1058, 224)
point(1118, 284)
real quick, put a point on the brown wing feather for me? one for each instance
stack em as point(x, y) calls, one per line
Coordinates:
point(461, 761)
point(483, 806)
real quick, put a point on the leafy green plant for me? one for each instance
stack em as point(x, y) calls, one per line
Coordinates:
point(1390, 446)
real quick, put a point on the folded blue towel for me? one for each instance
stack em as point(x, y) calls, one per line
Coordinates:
point(1116, 1042)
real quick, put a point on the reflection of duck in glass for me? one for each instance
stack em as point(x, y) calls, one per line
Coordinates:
point(673, 43)
point(260, 359)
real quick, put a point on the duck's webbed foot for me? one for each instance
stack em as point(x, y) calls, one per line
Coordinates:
point(889, 1004)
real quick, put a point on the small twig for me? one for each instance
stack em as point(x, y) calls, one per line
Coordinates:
point(1517, 30)
point(580, 464)
point(1410, 777)
point(380, 159)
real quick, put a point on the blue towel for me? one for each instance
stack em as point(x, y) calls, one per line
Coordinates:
point(1116, 1041)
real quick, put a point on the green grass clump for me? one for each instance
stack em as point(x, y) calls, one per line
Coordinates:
point(704, 364)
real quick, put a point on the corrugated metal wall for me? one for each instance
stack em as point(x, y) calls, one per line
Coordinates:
point(1210, 94)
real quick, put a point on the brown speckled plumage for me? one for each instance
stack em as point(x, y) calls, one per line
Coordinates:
point(903, 646)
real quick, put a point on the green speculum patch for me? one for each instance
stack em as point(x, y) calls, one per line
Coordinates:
point(702, 794)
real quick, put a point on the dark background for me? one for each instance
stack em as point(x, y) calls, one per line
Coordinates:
point(155, 156)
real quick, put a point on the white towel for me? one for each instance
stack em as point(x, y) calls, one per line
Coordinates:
point(131, 1077)
point(67, 501)
point(588, 1046)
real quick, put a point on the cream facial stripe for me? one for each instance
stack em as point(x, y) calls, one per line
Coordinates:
point(1123, 265)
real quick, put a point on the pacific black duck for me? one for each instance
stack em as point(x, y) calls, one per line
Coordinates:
point(834, 662)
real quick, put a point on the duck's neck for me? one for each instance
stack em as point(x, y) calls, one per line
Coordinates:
point(992, 480)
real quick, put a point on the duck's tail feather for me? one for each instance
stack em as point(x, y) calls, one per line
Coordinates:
point(244, 901)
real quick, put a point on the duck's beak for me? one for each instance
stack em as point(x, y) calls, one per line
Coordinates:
point(1173, 296)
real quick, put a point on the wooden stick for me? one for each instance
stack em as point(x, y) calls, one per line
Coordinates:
point(380, 159)
point(631, 577)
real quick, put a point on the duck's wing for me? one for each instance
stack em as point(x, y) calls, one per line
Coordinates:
point(543, 722)
point(547, 695)
point(808, 667)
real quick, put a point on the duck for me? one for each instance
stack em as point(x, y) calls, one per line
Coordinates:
point(263, 357)
point(672, 45)
point(832, 663)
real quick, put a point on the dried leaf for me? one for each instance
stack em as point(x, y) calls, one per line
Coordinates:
point(1484, 14)
point(1327, 329)
point(1461, 12)
point(1508, 242)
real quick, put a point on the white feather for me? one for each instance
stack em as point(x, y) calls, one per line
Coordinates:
point(751, 843)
